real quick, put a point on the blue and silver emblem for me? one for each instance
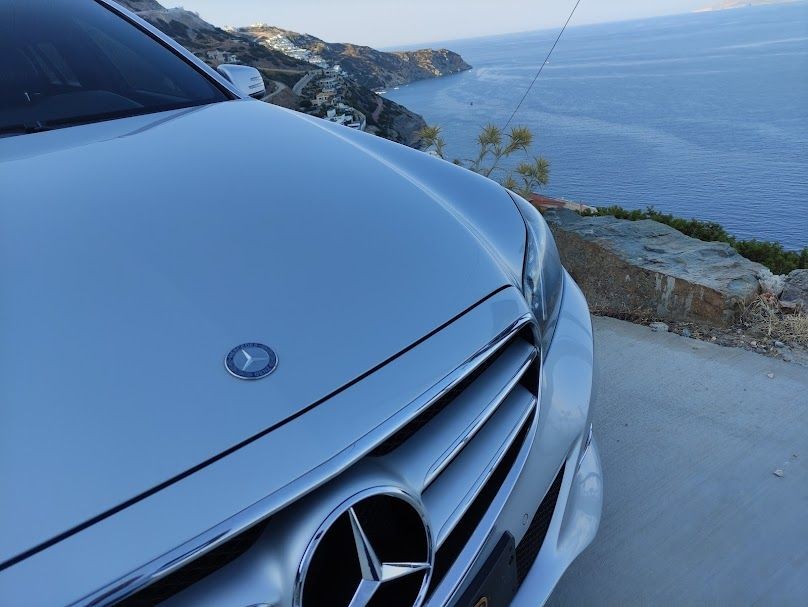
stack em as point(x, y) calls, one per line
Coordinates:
point(251, 361)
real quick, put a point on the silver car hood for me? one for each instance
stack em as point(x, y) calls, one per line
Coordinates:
point(135, 254)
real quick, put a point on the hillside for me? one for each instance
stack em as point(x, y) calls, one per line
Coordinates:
point(371, 68)
point(201, 38)
point(281, 72)
point(140, 5)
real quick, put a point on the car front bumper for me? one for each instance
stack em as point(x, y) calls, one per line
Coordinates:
point(573, 527)
point(577, 514)
point(563, 452)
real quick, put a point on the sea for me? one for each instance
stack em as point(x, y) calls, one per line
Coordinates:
point(700, 115)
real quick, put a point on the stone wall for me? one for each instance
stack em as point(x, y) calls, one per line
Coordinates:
point(648, 269)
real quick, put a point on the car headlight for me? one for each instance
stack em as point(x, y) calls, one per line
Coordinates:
point(543, 274)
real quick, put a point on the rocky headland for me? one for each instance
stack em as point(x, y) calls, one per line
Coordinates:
point(373, 69)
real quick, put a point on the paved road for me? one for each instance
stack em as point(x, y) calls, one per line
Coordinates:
point(279, 87)
point(297, 89)
point(690, 434)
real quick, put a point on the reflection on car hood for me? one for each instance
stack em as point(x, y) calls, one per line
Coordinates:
point(135, 254)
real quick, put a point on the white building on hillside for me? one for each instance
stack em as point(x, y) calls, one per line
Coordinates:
point(220, 57)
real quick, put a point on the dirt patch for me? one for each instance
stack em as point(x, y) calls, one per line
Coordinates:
point(763, 327)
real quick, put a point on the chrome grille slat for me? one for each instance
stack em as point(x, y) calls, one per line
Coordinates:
point(447, 499)
point(473, 523)
point(442, 394)
point(451, 451)
point(440, 440)
point(471, 431)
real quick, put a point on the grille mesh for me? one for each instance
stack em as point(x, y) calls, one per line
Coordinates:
point(528, 548)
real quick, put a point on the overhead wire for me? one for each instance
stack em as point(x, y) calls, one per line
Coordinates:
point(541, 67)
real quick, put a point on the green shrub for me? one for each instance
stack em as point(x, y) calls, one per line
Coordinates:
point(771, 254)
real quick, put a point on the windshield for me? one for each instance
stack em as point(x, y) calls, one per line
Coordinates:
point(66, 62)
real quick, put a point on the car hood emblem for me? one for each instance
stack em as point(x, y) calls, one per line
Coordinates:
point(251, 361)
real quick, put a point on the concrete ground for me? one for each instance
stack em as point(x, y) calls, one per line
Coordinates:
point(691, 435)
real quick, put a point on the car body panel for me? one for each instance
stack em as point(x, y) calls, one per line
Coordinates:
point(258, 476)
point(476, 199)
point(162, 248)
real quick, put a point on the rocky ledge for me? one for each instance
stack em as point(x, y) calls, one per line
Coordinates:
point(795, 292)
point(647, 269)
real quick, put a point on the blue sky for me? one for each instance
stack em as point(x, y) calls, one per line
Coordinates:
point(383, 23)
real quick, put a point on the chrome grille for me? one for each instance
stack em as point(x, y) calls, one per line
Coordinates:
point(468, 441)
point(450, 549)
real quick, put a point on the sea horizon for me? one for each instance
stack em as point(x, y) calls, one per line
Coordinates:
point(440, 42)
